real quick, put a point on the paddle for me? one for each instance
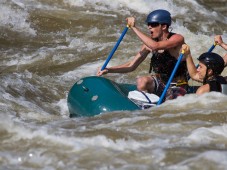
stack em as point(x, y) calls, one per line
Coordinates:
point(171, 77)
point(212, 47)
point(209, 51)
point(115, 48)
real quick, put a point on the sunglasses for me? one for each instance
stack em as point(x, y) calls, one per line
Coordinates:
point(153, 24)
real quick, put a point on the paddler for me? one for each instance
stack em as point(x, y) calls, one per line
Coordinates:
point(209, 71)
point(165, 47)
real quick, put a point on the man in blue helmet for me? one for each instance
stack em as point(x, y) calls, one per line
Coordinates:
point(210, 67)
point(165, 47)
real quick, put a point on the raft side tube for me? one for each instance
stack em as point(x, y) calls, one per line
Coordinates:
point(93, 95)
point(224, 88)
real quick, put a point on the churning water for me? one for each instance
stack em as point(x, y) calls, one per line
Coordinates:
point(48, 45)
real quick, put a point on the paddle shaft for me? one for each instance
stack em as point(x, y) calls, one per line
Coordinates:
point(115, 48)
point(171, 78)
point(211, 48)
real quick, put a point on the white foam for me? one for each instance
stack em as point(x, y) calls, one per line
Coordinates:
point(207, 101)
point(78, 143)
point(215, 158)
point(85, 70)
point(15, 20)
point(121, 121)
point(208, 135)
point(141, 6)
point(81, 44)
point(62, 105)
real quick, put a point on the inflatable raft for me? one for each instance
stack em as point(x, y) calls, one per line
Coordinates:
point(93, 95)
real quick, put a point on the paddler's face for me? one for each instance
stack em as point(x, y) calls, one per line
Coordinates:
point(202, 70)
point(155, 30)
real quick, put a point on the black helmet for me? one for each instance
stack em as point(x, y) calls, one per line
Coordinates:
point(212, 61)
point(160, 16)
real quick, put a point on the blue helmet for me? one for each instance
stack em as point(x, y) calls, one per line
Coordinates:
point(213, 61)
point(160, 16)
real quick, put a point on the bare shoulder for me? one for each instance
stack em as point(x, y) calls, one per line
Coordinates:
point(203, 89)
point(177, 37)
point(174, 44)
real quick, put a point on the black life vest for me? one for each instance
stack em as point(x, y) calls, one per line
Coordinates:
point(164, 63)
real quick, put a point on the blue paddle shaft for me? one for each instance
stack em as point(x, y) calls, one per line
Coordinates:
point(170, 79)
point(211, 48)
point(114, 49)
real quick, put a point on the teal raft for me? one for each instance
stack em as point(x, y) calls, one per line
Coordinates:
point(93, 95)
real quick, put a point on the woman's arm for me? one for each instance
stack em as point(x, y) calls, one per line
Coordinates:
point(190, 64)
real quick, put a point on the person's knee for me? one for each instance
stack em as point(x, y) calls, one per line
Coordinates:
point(141, 84)
point(145, 84)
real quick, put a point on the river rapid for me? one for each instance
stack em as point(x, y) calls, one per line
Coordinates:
point(48, 45)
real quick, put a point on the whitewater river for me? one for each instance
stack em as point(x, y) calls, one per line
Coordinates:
point(48, 45)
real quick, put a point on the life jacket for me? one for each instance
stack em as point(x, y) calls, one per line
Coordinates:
point(164, 63)
point(215, 83)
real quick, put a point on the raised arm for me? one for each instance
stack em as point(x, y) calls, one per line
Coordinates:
point(174, 41)
point(190, 64)
point(219, 41)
